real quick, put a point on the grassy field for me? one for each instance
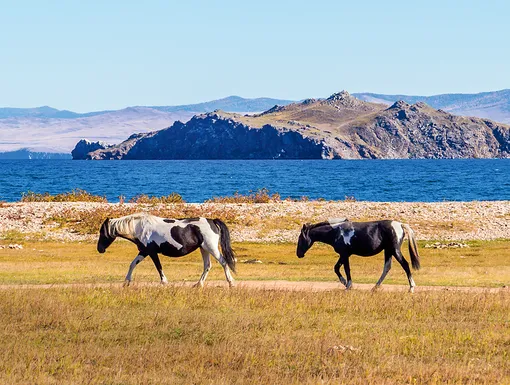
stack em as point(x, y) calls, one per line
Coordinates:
point(175, 335)
point(178, 335)
point(481, 264)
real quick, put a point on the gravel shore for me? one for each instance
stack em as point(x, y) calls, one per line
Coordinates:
point(281, 221)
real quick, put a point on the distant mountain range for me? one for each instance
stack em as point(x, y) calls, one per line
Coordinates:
point(28, 154)
point(231, 104)
point(45, 129)
point(48, 129)
point(339, 127)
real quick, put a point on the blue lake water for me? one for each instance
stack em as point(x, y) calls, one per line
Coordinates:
point(196, 181)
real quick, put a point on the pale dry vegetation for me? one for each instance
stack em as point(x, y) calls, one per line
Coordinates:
point(220, 336)
point(483, 264)
point(76, 195)
point(177, 335)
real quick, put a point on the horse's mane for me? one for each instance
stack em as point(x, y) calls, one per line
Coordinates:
point(329, 222)
point(126, 225)
point(334, 221)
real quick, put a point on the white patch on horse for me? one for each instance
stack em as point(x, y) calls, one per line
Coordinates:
point(347, 236)
point(335, 222)
point(208, 232)
point(399, 231)
point(160, 231)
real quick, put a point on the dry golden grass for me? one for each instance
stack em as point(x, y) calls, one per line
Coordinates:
point(260, 196)
point(153, 200)
point(220, 336)
point(483, 264)
point(176, 335)
point(76, 195)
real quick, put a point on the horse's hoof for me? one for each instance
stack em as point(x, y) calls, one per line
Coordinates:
point(126, 283)
point(164, 283)
point(198, 285)
point(375, 288)
point(231, 285)
point(411, 289)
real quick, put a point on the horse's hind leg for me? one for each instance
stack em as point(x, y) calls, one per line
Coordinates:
point(139, 258)
point(206, 257)
point(159, 268)
point(214, 250)
point(387, 267)
point(337, 271)
point(405, 265)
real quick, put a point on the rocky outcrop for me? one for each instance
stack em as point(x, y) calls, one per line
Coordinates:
point(340, 127)
point(343, 100)
point(84, 146)
point(418, 131)
point(211, 136)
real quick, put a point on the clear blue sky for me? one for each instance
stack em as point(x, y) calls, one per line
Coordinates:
point(95, 55)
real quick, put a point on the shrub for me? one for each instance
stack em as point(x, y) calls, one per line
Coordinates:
point(260, 196)
point(146, 199)
point(76, 195)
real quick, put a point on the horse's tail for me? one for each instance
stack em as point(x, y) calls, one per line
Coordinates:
point(226, 248)
point(413, 247)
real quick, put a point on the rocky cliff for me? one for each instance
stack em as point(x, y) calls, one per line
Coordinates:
point(339, 127)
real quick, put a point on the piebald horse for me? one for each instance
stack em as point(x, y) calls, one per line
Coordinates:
point(173, 238)
point(364, 239)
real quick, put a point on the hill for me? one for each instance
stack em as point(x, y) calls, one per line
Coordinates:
point(490, 105)
point(340, 126)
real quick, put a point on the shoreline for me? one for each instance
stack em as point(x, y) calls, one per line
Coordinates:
point(280, 221)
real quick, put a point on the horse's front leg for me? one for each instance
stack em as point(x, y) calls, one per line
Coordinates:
point(159, 268)
point(345, 262)
point(139, 258)
point(337, 271)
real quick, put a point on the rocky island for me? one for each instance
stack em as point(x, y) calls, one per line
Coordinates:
point(339, 127)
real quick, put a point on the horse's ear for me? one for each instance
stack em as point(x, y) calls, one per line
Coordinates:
point(305, 227)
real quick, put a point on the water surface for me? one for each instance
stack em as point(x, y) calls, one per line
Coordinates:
point(198, 180)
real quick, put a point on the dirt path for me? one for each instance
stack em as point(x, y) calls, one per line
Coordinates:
point(271, 285)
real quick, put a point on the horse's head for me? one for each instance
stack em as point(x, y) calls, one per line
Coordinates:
point(105, 237)
point(304, 241)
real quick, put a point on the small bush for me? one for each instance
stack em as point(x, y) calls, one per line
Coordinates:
point(146, 199)
point(76, 195)
point(260, 196)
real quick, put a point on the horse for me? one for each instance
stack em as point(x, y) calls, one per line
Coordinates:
point(173, 238)
point(364, 239)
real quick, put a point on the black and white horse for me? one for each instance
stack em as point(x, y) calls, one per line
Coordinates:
point(173, 238)
point(364, 239)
